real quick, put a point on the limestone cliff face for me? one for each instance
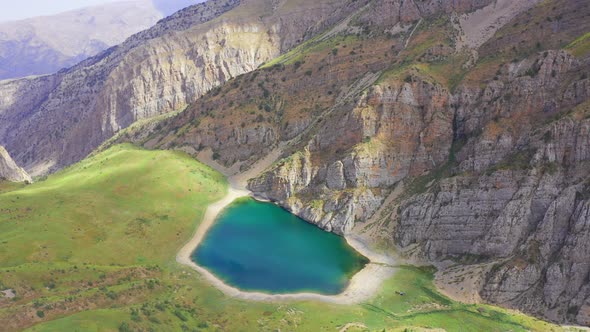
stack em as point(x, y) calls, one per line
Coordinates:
point(75, 109)
point(521, 195)
point(535, 220)
point(395, 131)
point(9, 170)
point(509, 171)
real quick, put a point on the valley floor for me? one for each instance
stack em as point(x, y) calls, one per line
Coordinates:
point(91, 248)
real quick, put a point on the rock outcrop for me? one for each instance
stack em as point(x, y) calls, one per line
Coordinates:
point(10, 171)
point(396, 130)
point(520, 193)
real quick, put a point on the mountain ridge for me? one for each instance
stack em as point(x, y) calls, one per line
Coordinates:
point(115, 89)
point(43, 45)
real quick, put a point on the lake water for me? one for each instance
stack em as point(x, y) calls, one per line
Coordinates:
point(257, 246)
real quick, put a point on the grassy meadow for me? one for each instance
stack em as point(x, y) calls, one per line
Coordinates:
point(92, 248)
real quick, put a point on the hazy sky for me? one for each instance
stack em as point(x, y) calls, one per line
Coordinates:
point(11, 10)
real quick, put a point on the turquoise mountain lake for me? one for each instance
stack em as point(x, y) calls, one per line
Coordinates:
point(257, 246)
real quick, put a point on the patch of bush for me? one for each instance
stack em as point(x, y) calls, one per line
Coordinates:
point(180, 315)
point(124, 327)
point(297, 64)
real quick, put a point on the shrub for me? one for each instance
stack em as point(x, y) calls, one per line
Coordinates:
point(180, 315)
point(124, 327)
point(112, 295)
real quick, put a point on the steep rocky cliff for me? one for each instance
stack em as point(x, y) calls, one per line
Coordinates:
point(156, 71)
point(9, 170)
point(518, 192)
point(73, 110)
point(413, 126)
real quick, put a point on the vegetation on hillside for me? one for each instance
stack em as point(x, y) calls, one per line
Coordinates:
point(92, 248)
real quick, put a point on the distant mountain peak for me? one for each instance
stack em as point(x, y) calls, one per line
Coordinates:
point(45, 44)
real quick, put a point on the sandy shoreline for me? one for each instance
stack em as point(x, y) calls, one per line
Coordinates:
point(363, 285)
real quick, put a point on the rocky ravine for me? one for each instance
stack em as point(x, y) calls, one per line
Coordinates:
point(9, 170)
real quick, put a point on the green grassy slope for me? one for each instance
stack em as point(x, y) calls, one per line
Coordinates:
point(92, 249)
point(82, 214)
